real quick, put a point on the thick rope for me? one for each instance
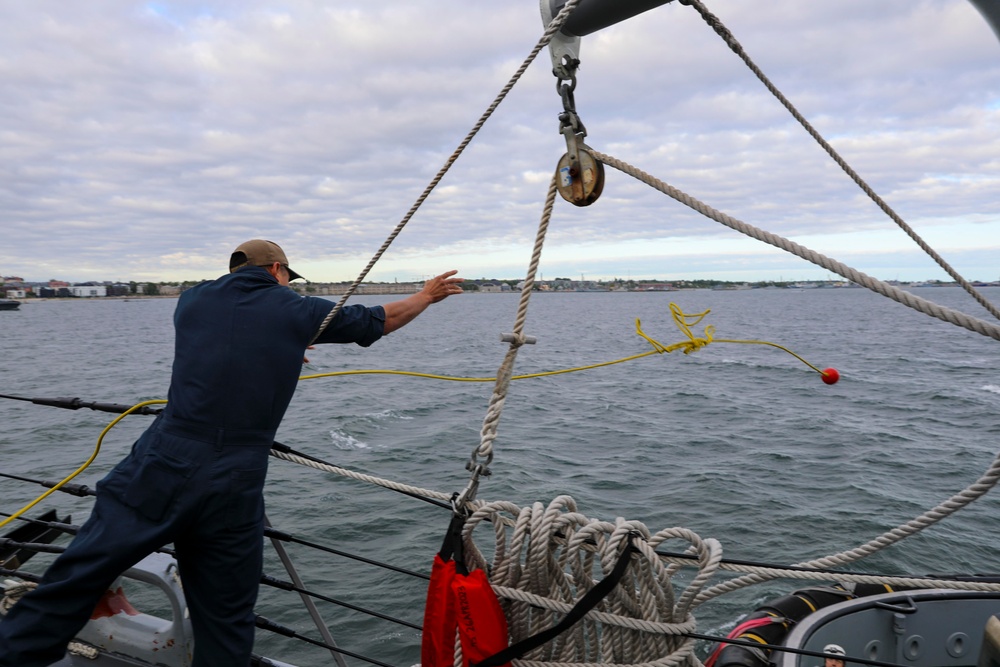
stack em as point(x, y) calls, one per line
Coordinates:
point(906, 298)
point(976, 490)
point(83, 650)
point(370, 479)
point(737, 48)
point(773, 572)
point(550, 31)
point(491, 421)
point(554, 555)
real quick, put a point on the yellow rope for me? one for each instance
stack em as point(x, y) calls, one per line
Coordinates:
point(93, 456)
point(476, 379)
point(764, 342)
point(684, 322)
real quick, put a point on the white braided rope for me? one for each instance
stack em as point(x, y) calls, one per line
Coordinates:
point(83, 650)
point(683, 656)
point(562, 546)
point(554, 555)
point(371, 479)
point(491, 421)
point(976, 490)
point(611, 619)
point(875, 285)
point(771, 572)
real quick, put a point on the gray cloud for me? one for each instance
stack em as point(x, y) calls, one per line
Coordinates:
point(145, 140)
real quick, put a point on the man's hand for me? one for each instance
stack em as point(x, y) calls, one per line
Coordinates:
point(443, 286)
point(401, 313)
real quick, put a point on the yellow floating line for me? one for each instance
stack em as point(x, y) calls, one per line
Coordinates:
point(684, 322)
point(93, 456)
point(453, 378)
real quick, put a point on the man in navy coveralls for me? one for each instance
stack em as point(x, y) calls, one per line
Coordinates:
point(195, 477)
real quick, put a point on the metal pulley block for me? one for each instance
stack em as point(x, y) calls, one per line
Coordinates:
point(580, 177)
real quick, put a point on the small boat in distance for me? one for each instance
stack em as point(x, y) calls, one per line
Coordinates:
point(9, 304)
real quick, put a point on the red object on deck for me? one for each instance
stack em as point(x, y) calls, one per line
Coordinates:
point(437, 648)
point(462, 602)
point(482, 626)
point(113, 602)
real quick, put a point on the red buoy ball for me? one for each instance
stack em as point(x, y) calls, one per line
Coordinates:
point(830, 375)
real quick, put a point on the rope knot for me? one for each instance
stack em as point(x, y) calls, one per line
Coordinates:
point(684, 322)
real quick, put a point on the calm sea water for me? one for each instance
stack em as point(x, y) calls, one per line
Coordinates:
point(740, 443)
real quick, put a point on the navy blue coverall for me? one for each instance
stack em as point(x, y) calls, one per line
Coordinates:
point(195, 476)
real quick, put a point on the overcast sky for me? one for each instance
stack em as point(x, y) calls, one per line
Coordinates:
point(144, 141)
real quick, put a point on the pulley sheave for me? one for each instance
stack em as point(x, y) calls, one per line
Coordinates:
point(580, 181)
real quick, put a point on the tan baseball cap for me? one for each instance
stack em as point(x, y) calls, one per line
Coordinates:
point(260, 253)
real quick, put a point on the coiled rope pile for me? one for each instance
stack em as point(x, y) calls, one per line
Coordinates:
point(552, 557)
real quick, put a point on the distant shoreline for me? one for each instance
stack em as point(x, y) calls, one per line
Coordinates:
point(144, 297)
point(44, 299)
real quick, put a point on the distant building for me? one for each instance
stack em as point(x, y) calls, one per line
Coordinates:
point(88, 290)
point(16, 294)
point(388, 288)
point(561, 284)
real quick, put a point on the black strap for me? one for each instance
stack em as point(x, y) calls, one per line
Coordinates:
point(452, 546)
point(585, 604)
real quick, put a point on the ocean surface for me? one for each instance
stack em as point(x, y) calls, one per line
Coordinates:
point(742, 443)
